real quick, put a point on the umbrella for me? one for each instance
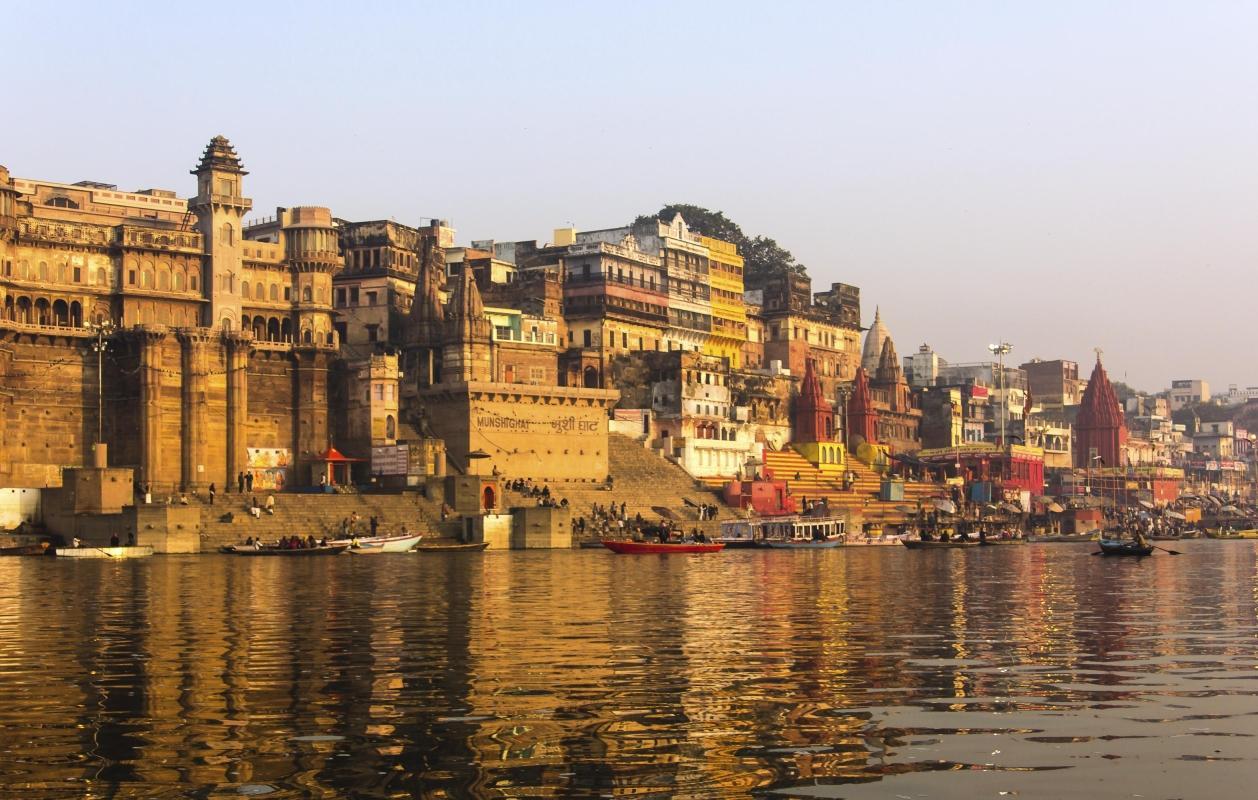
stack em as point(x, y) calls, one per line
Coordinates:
point(1175, 515)
point(1146, 504)
point(906, 509)
point(1230, 510)
point(1055, 508)
point(1011, 508)
point(946, 506)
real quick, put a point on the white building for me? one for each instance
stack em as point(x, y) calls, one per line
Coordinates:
point(1187, 392)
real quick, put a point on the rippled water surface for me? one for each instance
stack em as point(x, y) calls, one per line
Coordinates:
point(1035, 671)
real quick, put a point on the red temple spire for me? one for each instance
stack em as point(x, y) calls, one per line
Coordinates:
point(862, 417)
point(1100, 425)
point(814, 417)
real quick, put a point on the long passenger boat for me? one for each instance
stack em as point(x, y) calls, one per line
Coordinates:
point(630, 547)
point(794, 532)
point(951, 544)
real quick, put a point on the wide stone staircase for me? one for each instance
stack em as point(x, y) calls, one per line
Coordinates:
point(862, 499)
point(317, 514)
point(644, 482)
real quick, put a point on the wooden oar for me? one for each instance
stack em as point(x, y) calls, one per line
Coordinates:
point(1167, 550)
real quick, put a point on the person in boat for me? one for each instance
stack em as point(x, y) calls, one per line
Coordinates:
point(324, 542)
point(310, 541)
point(76, 542)
point(982, 536)
point(1140, 540)
point(249, 542)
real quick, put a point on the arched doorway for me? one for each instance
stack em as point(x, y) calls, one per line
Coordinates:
point(488, 498)
point(590, 378)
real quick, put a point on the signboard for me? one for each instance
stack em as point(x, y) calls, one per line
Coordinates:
point(390, 459)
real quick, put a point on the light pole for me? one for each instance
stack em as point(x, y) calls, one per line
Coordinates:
point(102, 331)
point(1000, 351)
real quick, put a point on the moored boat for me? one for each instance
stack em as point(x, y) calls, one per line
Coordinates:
point(951, 544)
point(381, 544)
point(801, 543)
point(628, 547)
point(292, 552)
point(436, 547)
point(37, 549)
point(133, 551)
point(1124, 547)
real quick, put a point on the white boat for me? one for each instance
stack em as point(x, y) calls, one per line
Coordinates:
point(381, 544)
point(134, 551)
point(801, 532)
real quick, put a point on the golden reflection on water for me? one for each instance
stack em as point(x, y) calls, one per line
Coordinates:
point(857, 673)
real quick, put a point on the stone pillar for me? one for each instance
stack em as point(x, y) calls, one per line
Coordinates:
point(238, 347)
point(310, 409)
point(150, 340)
point(194, 404)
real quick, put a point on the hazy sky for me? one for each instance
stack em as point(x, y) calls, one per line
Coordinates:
point(1060, 175)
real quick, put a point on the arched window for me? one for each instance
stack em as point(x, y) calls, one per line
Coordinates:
point(244, 289)
point(228, 234)
point(102, 277)
point(305, 294)
point(61, 202)
point(76, 314)
point(146, 278)
point(179, 280)
point(163, 280)
point(273, 330)
point(275, 293)
point(259, 328)
point(61, 272)
point(286, 331)
point(227, 325)
point(390, 427)
point(307, 336)
point(23, 270)
point(43, 270)
point(260, 291)
point(194, 283)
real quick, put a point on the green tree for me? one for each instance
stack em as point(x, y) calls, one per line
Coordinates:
point(763, 256)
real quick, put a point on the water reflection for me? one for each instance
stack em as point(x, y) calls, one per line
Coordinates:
point(1036, 670)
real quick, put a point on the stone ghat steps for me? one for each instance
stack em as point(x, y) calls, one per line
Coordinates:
point(317, 514)
point(863, 495)
point(642, 480)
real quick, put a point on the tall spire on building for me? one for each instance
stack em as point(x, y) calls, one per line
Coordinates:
point(874, 338)
point(889, 369)
point(1100, 425)
point(862, 418)
point(220, 156)
point(814, 416)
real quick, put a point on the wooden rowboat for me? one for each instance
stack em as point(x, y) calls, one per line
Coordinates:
point(133, 551)
point(951, 544)
point(295, 552)
point(1116, 547)
point(627, 547)
point(434, 547)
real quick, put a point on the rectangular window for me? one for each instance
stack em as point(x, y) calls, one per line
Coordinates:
point(586, 337)
point(78, 275)
point(373, 333)
point(371, 298)
point(380, 392)
point(353, 296)
point(131, 277)
point(340, 297)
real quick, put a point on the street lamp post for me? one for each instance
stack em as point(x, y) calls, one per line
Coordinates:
point(1000, 351)
point(102, 330)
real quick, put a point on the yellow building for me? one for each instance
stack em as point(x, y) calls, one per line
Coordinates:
point(729, 314)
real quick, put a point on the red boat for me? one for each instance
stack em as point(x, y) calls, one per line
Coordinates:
point(663, 547)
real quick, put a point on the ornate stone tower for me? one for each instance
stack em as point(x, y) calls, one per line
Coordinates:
point(312, 252)
point(890, 377)
point(8, 225)
point(468, 346)
point(862, 417)
point(425, 324)
point(220, 209)
point(814, 416)
point(874, 339)
point(1100, 425)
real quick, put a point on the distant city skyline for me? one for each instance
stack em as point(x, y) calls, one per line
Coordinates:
point(1058, 176)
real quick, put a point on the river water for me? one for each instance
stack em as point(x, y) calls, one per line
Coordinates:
point(1037, 671)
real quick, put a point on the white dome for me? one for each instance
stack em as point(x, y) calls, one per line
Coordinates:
point(871, 353)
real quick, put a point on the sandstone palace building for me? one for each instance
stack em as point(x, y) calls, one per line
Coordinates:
point(201, 345)
point(221, 343)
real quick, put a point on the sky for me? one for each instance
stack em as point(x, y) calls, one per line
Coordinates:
point(1058, 175)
